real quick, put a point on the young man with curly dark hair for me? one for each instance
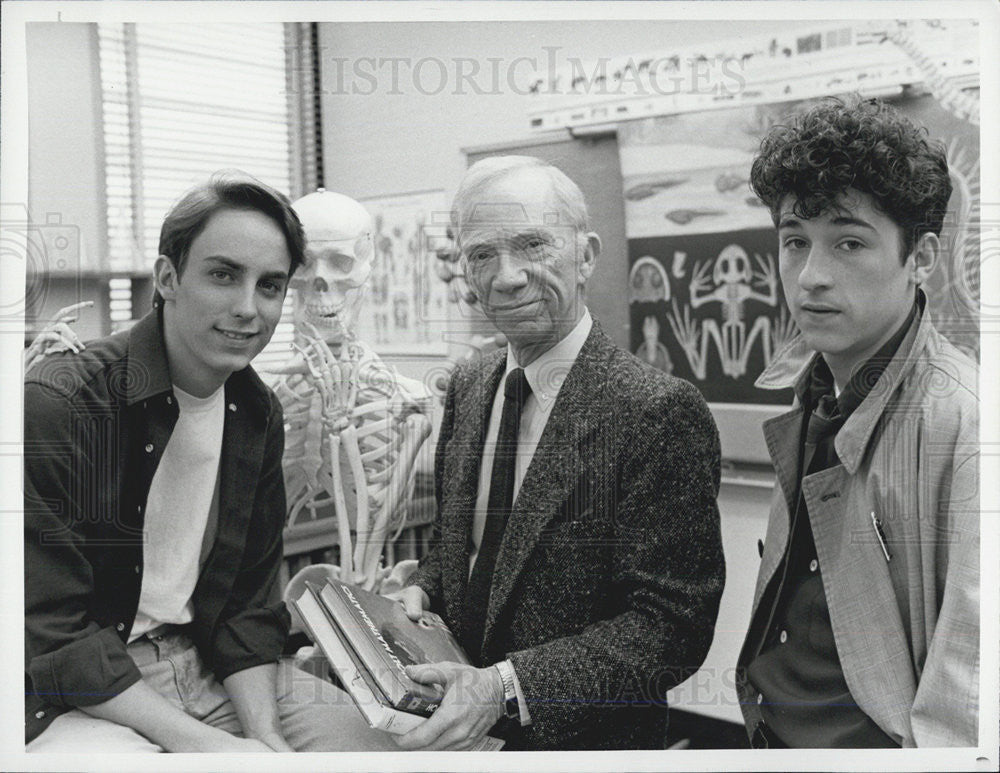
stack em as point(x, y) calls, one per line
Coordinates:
point(865, 622)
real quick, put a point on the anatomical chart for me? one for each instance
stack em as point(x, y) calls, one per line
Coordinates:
point(406, 307)
point(705, 302)
point(704, 297)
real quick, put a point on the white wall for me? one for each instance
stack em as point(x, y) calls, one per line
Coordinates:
point(401, 137)
point(66, 168)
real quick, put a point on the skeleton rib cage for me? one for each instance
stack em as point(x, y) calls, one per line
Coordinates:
point(353, 428)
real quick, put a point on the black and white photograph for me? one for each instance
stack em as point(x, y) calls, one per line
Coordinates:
point(645, 351)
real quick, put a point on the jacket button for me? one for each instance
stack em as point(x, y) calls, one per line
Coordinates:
point(813, 565)
point(170, 400)
point(149, 448)
point(39, 715)
point(137, 569)
point(232, 407)
point(760, 698)
point(120, 627)
point(783, 637)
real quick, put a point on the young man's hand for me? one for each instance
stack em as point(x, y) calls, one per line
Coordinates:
point(473, 702)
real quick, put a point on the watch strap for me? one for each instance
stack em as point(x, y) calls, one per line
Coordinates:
point(511, 707)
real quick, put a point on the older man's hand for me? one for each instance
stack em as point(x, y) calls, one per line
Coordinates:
point(473, 702)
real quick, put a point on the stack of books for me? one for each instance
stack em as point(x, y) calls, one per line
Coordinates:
point(369, 641)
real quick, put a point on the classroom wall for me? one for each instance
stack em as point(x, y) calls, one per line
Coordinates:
point(385, 134)
point(66, 174)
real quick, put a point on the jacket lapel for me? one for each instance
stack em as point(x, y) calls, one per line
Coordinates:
point(876, 661)
point(553, 469)
point(465, 451)
point(781, 434)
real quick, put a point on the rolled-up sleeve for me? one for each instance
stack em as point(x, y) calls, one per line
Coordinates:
point(71, 659)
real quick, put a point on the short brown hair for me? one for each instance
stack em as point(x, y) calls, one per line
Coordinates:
point(226, 190)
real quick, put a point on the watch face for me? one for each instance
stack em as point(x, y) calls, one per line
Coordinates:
point(511, 708)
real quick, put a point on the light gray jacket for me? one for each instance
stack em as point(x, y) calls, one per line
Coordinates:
point(906, 629)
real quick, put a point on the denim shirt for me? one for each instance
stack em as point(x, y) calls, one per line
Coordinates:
point(95, 426)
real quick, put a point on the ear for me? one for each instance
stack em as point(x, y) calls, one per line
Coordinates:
point(591, 252)
point(165, 277)
point(925, 255)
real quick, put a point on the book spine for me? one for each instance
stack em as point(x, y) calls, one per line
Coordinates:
point(376, 714)
point(364, 636)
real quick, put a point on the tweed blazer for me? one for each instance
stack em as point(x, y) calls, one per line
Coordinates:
point(609, 574)
point(906, 629)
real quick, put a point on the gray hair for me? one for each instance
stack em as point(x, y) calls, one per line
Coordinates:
point(484, 173)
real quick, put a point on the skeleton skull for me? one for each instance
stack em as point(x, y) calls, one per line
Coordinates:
point(732, 266)
point(339, 252)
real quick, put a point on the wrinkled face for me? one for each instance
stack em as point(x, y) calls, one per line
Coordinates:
point(330, 287)
point(526, 262)
point(732, 266)
point(847, 288)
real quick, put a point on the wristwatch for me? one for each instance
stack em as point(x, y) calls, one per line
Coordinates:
point(510, 705)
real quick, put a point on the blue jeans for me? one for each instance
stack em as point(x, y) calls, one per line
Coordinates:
point(315, 716)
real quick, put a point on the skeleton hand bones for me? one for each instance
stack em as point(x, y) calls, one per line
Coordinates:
point(353, 434)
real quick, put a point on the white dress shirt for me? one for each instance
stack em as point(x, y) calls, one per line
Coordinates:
point(545, 376)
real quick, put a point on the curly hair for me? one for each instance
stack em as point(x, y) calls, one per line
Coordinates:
point(862, 144)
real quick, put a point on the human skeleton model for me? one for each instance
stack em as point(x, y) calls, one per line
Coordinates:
point(353, 425)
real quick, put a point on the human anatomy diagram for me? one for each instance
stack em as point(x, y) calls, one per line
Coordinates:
point(730, 281)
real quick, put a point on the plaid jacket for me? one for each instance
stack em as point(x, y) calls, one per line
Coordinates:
point(608, 579)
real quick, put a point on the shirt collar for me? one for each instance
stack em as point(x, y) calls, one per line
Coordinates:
point(864, 378)
point(148, 373)
point(548, 371)
point(792, 364)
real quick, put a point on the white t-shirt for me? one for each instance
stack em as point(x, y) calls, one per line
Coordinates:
point(181, 496)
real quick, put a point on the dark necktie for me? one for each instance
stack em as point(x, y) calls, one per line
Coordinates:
point(824, 423)
point(477, 597)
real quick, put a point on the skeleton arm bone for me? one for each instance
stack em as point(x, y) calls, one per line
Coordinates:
point(340, 508)
point(767, 276)
point(699, 282)
point(349, 445)
point(417, 430)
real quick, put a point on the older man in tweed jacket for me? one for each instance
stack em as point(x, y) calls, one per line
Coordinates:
point(590, 586)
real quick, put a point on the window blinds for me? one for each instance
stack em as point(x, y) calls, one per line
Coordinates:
point(182, 101)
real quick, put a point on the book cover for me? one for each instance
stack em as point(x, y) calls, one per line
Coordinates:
point(372, 706)
point(386, 641)
point(359, 684)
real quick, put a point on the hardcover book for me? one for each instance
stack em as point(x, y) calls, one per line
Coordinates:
point(314, 607)
point(386, 641)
